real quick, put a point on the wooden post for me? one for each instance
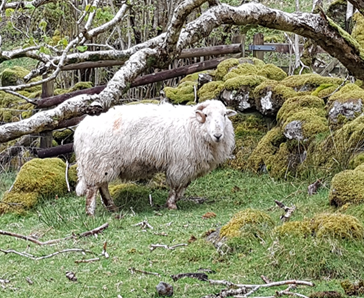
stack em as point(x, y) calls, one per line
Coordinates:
point(258, 39)
point(46, 136)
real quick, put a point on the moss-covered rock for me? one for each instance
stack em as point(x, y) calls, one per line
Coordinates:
point(224, 67)
point(347, 187)
point(13, 76)
point(247, 223)
point(324, 90)
point(358, 30)
point(210, 90)
point(63, 136)
point(236, 67)
point(324, 225)
point(182, 94)
point(37, 179)
point(80, 86)
point(270, 95)
point(249, 129)
point(308, 82)
point(345, 104)
point(271, 154)
point(241, 70)
point(272, 72)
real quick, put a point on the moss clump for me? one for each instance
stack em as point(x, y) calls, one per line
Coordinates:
point(347, 187)
point(324, 225)
point(271, 154)
point(249, 80)
point(63, 136)
point(192, 77)
point(210, 90)
point(38, 178)
point(353, 288)
point(249, 222)
point(224, 67)
point(128, 195)
point(13, 76)
point(277, 93)
point(241, 70)
point(81, 86)
point(324, 90)
point(348, 93)
point(249, 129)
point(308, 82)
point(272, 72)
point(182, 94)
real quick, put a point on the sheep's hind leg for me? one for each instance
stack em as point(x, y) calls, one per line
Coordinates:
point(107, 199)
point(174, 195)
point(91, 200)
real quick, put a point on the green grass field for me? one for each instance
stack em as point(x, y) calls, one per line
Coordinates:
point(326, 262)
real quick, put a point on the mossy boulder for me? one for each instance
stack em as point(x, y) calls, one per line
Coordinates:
point(63, 136)
point(80, 86)
point(270, 95)
point(241, 70)
point(302, 117)
point(236, 67)
point(324, 225)
point(308, 82)
point(224, 67)
point(37, 179)
point(347, 187)
point(272, 72)
point(325, 90)
point(271, 154)
point(238, 91)
point(210, 90)
point(181, 94)
point(247, 223)
point(13, 76)
point(358, 29)
point(346, 104)
point(249, 129)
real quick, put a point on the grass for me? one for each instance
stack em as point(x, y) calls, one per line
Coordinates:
point(325, 261)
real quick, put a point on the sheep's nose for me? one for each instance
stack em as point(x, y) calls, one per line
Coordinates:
point(218, 136)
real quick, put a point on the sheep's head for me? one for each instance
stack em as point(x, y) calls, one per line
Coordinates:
point(214, 115)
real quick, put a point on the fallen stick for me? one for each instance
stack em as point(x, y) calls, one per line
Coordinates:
point(31, 239)
point(288, 210)
point(200, 276)
point(154, 246)
point(271, 284)
point(26, 255)
point(87, 260)
point(133, 270)
point(144, 224)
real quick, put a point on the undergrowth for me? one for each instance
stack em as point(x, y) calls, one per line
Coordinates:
point(225, 192)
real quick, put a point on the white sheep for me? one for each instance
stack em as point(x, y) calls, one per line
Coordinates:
point(136, 141)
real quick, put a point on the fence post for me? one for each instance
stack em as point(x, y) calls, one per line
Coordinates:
point(258, 39)
point(46, 136)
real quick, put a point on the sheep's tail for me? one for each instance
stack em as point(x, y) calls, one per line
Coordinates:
point(81, 187)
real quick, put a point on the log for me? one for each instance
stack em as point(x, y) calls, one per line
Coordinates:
point(143, 80)
point(55, 151)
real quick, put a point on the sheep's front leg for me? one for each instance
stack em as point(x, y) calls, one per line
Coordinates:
point(175, 194)
point(91, 200)
point(107, 199)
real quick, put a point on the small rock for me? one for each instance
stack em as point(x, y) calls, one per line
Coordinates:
point(164, 289)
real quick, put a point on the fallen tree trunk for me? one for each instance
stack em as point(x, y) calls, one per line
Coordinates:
point(55, 151)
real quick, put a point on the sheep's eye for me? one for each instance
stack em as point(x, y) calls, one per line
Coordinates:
point(225, 115)
point(205, 115)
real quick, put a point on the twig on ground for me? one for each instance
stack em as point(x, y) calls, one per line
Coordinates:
point(31, 239)
point(160, 234)
point(4, 281)
point(242, 290)
point(154, 246)
point(288, 210)
point(104, 252)
point(144, 224)
point(150, 200)
point(87, 260)
point(265, 279)
point(132, 211)
point(200, 276)
point(133, 270)
point(26, 255)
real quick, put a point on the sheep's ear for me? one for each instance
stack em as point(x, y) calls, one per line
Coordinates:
point(201, 117)
point(230, 113)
